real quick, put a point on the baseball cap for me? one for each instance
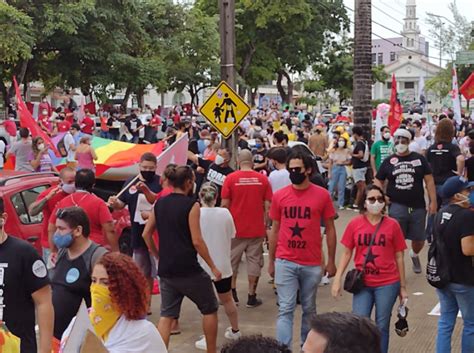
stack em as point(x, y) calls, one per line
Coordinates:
point(453, 185)
point(402, 133)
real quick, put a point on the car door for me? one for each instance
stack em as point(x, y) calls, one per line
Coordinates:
point(28, 227)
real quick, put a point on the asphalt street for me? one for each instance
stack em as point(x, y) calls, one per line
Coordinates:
point(262, 320)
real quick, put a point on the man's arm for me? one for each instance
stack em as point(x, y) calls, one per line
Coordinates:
point(37, 206)
point(110, 235)
point(272, 244)
point(148, 235)
point(431, 188)
point(198, 241)
point(467, 245)
point(379, 183)
point(51, 230)
point(45, 316)
point(225, 203)
point(372, 164)
point(267, 205)
point(331, 241)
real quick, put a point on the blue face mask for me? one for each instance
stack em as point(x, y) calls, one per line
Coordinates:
point(471, 198)
point(62, 241)
point(258, 145)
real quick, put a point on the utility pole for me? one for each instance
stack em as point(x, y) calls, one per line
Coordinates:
point(227, 36)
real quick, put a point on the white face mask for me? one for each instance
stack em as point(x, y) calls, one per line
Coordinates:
point(341, 144)
point(41, 146)
point(401, 148)
point(45, 112)
point(68, 188)
point(386, 136)
point(374, 208)
point(207, 143)
point(219, 160)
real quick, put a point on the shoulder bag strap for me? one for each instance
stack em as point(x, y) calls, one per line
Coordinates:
point(371, 243)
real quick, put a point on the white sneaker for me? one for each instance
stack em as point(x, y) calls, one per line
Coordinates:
point(324, 280)
point(231, 335)
point(201, 344)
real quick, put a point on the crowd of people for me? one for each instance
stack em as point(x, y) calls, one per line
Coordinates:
point(191, 226)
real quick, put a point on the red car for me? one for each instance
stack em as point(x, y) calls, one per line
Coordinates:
point(20, 189)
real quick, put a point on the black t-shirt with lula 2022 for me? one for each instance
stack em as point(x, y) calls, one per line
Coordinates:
point(460, 224)
point(405, 177)
point(22, 273)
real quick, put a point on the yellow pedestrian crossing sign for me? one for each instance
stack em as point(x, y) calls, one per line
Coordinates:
point(225, 109)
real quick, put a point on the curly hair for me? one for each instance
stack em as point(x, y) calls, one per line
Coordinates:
point(444, 131)
point(127, 285)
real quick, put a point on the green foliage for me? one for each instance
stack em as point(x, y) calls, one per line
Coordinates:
point(441, 84)
point(17, 37)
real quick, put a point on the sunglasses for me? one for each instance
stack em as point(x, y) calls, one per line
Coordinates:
point(61, 212)
point(372, 200)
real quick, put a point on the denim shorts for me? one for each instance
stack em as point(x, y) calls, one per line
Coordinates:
point(358, 174)
point(411, 220)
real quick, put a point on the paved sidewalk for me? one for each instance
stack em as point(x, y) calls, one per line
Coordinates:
point(420, 339)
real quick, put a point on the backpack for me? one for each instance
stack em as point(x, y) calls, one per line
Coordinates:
point(366, 153)
point(438, 267)
point(62, 147)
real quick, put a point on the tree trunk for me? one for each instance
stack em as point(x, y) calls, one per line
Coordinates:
point(141, 98)
point(253, 95)
point(6, 99)
point(362, 82)
point(286, 97)
point(192, 93)
point(128, 91)
point(19, 71)
point(242, 90)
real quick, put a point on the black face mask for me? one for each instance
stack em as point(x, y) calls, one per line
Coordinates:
point(297, 178)
point(148, 175)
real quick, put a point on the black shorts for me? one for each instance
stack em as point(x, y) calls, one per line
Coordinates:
point(198, 288)
point(224, 285)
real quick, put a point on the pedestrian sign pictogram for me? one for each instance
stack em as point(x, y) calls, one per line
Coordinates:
point(225, 109)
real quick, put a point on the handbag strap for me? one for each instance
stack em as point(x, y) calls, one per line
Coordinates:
point(372, 242)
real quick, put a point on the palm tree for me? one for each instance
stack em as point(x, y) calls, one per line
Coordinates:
point(362, 83)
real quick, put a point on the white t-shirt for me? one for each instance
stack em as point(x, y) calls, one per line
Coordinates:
point(279, 179)
point(418, 144)
point(217, 227)
point(68, 141)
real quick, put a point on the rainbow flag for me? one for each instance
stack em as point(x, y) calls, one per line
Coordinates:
point(111, 153)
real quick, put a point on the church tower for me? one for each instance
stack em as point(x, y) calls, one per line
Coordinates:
point(411, 31)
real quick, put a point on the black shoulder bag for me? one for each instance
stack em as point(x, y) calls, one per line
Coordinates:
point(354, 281)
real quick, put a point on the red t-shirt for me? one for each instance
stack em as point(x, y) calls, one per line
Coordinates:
point(381, 268)
point(63, 126)
point(155, 122)
point(45, 121)
point(48, 208)
point(96, 210)
point(164, 192)
point(247, 191)
point(87, 125)
point(299, 213)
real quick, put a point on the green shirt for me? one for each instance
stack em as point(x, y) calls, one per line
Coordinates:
point(381, 150)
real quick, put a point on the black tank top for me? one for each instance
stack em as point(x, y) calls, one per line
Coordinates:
point(178, 257)
point(70, 281)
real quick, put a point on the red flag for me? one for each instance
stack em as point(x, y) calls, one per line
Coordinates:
point(396, 111)
point(26, 120)
point(467, 88)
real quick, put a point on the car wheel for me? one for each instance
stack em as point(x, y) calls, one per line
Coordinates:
point(125, 242)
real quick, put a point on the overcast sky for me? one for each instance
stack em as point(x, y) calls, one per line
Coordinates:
point(396, 9)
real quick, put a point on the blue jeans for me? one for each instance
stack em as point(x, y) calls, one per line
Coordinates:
point(289, 277)
point(453, 298)
point(338, 178)
point(383, 298)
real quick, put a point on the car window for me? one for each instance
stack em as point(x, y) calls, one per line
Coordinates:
point(23, 199)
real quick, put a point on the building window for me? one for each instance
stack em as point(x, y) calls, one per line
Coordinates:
point(380, 58)
point(374, 59)
point(409, 85)
point(389, 85)
point(392, 56)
